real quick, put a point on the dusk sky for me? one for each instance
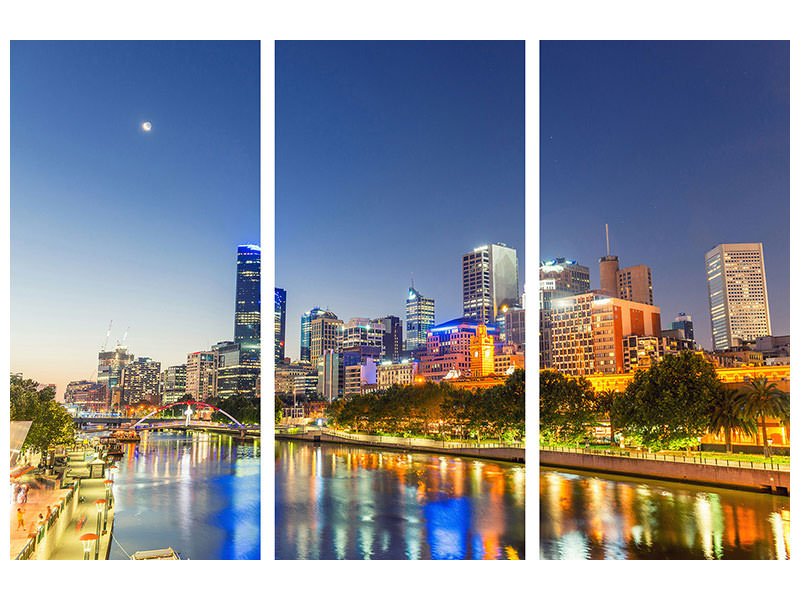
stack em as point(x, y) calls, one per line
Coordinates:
point(678, 146)
point(111, 222)
point(393, 158)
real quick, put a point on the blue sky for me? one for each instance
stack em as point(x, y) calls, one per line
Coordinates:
point(109, 222)
point(393, 158)
point(678, 146)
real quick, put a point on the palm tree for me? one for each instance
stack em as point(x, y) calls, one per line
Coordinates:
point(764, 400)
point(728, 415)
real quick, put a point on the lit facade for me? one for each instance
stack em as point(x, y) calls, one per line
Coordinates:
point(305, 330)
point(247, 321)
point(420, 316)
point(280, 325)
point(324, 335)
point(558, 278)
point(395, 373)
point(200, 375)
point(481, 353)
point(236, 370)
point(737, 294)
point(110, 365)
point(490, 277)
point(393, 336)
point(173, 385)
point(87, 395)
point(447, 351)
point(140, 381)
point(362, 332)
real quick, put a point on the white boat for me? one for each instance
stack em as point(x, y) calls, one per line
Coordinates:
point(165, 554)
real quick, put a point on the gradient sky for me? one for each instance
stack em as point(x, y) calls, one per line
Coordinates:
point(393, 158)
point(109, 222)
point(678, 146)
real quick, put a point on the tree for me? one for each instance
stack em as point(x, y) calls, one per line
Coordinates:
point(728, 415)
point(51, 424)
point(762, 400)
point(668, 405)
point(567, 407)
point(278, 409)
point(608, 403)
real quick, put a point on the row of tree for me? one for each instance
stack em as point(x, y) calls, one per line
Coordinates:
point(51, 424)
point(668, 406)
point(437, 409)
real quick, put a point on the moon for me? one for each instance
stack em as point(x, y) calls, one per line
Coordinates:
point(147, 125)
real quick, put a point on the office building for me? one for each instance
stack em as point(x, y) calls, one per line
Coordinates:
point(88, 396)
point(490, 276)
point(247, 322)
point(200, 375)
point(280, 325)
point(325, 331)
point(447, 351)
point(390, 373)
point(420, 317)
point(330, 379)
point(737, 294)
point(305, 330)
point(392, 338)
point(140, 382)
point(173, 384)
point(110, 365)
point(558, 278)
point(362, 332)
point(634, 284)
point(514, 326)
point(683, 322)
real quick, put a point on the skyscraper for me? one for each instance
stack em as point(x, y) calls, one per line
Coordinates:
point(325, 333)
point(393, 338)
point(683, 322)
point(174, 384)
point(737, 294)
point(200, 375)
point(490, 281)
point(140, 381)
point(247, 327)
point(110, 365)
point(420, 314)
point(558, 278)
point(280, 325)
point(634, 284)
point(305, 330)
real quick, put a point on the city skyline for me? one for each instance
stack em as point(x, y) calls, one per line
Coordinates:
point(409, 143)
point(112, 220)
point(674, 145)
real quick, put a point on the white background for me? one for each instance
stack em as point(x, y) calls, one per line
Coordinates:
point(410, 19)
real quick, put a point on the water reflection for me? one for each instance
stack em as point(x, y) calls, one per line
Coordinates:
point(346, 502)
point(198, 493)
point(593, 516)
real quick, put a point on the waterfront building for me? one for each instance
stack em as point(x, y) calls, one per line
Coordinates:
point(587, 331)
point(447, 350)
point(393, 337)
point(420, 317)
point(737, 294)
point(305, 330)
point(390, 373)
point(200, 375)
point(173, 385)
point(684, 323)
point(297, 379)
point(558, 278)
point(280, 325)
point(362, 332)
point(490, 278)
point(236, 369)
point(324, 336)
point(481, 352)
point(140, 381)
point(247, 320)
point(86, 395)
point(330, 380)
point(109, 366)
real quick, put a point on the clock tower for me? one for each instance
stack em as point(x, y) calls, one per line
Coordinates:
point(481, 353)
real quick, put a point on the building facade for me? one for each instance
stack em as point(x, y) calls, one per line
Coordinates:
point(280, 325)
point(558, 278)
point(392, 338)
point(110, 365)
point(140, 382)
point(490, 280)
point(325, 332)
point(173, 386)
point(737, 294)
point(420, 317)
point(247, 325)
point(305, 330)
point(447, 351)
point(395, 373)
point(200, 375)
point(683, 322)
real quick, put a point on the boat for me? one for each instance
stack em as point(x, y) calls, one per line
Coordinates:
point(163, 554)
point(123, 435)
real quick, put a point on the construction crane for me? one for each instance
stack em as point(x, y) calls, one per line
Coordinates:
point(108, 334)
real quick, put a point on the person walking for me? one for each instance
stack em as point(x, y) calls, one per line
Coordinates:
point(20, 518)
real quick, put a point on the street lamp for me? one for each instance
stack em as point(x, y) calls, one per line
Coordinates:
point(100, 503)
point(87, 539)
point(108, 483)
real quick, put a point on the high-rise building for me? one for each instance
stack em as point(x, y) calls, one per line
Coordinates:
point(490, 280)
point(393, 337)
point(558, 278)
point(200, 375)
point(737, 294)
point(683, 322)
point(247, 324)
point(420, 317)
point(173, 384)
point(634, 284)
point(305, 330)
point(140, 381)
point(110, 365)
point(236, 369)
point(86, 395)
point(362, 332)
point(330, 378)
point(280, 325)
point(325, 332)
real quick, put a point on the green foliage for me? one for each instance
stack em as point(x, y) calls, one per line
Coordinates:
point(244, 408)
point(278, 409)
point(567, 408)
point(764, 400)
point(727, 415)
point(438, 410)
point(51, 423)
point(668, 405)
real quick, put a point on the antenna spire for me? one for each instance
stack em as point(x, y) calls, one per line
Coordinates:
point(412, 279)
point(608, 250)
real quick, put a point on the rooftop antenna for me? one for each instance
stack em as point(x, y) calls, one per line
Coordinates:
point(608, 250)
point(412, 279)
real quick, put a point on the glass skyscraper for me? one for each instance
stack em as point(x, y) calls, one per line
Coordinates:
point(280, 325)
point(490, 281)
point(247, 326)
point(419, 319)
point(305, 329)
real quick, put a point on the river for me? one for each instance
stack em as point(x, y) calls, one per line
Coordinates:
point(347, 502)
point(199, 493)
point(597, 516)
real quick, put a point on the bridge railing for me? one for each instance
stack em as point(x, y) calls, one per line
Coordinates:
point(674, 458)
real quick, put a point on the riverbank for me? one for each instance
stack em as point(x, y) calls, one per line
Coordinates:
point(499, 452)
point(706, 473)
